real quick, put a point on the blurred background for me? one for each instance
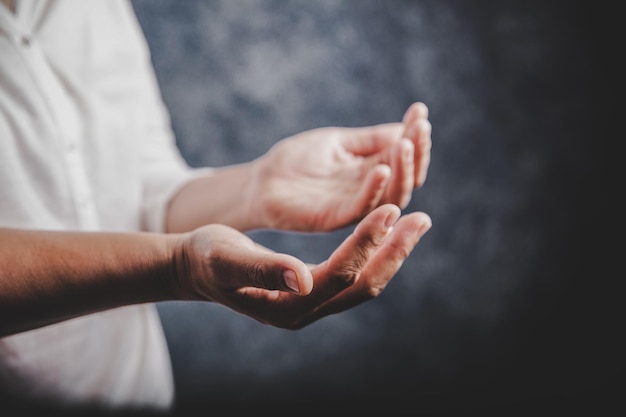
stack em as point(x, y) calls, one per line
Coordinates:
point(504, 305)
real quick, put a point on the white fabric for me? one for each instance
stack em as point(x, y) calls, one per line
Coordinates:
point(85, 144)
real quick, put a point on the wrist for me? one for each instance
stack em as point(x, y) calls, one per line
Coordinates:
point(225, 196)
point(254, 196)
point(175, 268)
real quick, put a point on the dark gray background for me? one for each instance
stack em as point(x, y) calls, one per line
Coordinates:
point(504, 303)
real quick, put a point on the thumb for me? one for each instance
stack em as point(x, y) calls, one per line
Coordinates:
point(275, 271)
point(216, 260)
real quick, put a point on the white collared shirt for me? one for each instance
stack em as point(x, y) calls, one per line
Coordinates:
point(85, 144)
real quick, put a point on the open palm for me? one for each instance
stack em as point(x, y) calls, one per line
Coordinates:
point(327, 178)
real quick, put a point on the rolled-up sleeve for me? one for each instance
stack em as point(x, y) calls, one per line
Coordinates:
point(163, 168)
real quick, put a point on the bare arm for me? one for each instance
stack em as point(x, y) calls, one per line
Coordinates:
point(314, 181)
point(317, 180)
point(10, 4)
point(220, 197)
point(46, 276)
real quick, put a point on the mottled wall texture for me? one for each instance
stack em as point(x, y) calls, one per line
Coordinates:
point(501, 304)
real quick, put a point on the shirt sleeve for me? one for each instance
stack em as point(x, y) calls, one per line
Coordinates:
point(163, 168)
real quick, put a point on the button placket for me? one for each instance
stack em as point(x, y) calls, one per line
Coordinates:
point(68, 126)
point(24, 40)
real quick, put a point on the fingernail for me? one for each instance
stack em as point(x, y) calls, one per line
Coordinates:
point(390, 220)
point(291, 280)
point(424, 228)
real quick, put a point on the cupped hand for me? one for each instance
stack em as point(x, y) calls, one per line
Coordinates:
point(217, 263)
point(327, 178)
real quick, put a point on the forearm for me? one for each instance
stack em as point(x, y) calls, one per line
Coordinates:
point(47, 276)
point(220, 197)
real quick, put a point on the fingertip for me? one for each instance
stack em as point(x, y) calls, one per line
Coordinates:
point(300, 284)
point(384, 173)
point(291, 281)
point(379, 221)
point(417, 110)
point(421, 178)
point(426, 223)
point(423, 152)
point(393, 215)
point(425, 128)
point(421, 172)
point(378, 176)
point(406, 200)
point(306, 283)
point(421, 109)
point(381, 175)
point(379, 179)
point(390, 208)
point(416, 222)
point(372, 190)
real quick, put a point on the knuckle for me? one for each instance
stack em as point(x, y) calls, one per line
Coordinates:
point(350, 274)
point(258, 275)
point(400, 253)
point(373, 291)
point(369, 241)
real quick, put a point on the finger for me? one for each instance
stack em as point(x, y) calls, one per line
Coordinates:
point(341, 270)
point(263, 269)
point(400, 185)
point(417, 110)
point(422, 151)
point(381, 268)
point(369, 140)
point(418, 129)
point(344, 266)
point(371, 192)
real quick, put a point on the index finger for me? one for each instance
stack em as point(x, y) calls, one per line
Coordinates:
point(343, 268)
point(418, 129)
point(369, 140)
point(380, 269)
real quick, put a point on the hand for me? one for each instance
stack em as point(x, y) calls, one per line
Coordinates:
point(327, 178)
point(217, 263)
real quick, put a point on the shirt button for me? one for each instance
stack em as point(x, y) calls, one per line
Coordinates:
point(24, 40)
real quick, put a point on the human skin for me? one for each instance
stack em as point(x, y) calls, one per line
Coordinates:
point(10, 4)
point(318, 180)
point(315, 181)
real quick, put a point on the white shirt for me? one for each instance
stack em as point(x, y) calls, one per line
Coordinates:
point(85, 144)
